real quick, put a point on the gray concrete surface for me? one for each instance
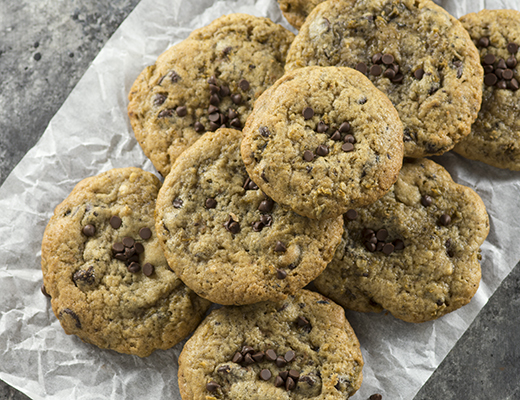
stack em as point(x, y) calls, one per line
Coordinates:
point(47, 45)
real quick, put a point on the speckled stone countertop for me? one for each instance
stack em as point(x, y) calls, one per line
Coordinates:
point(47, 45)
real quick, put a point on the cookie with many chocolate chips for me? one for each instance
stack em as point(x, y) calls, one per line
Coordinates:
point(299, 348)
point(495, 135)
point(295, 11)
point(413, 51)
point(323, 140)
point(415, 252)
point(208, 81)
point(226, 239)
point(105, 270)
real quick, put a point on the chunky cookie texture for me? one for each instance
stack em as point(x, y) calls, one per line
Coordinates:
point(226, 239)
point(495, 135)
point(323, 140)
point(414, 252)
point(299, 348)
point(208, 81)
point(105, 270)
point(413, 51)
point(295, 11)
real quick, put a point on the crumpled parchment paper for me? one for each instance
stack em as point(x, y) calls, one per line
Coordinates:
point(91, 134)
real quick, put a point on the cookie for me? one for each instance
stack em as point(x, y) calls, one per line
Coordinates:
point(299, 348)
point(413, 51)
point(295, 11)
point(495, 135)
point(323, 140)
point(209, 80)
point(105, 270)
point(225, 239)
point(415, 252)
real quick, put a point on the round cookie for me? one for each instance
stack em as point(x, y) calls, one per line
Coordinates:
point(299, 348)
point(323, 140)
point(105, 270)
point(413, 51)
point(295, 11)
point(228, 241)
point(209, 80)
point(414, 252)
point(495, 135)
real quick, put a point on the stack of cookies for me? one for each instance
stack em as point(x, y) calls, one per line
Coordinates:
point(286, 160)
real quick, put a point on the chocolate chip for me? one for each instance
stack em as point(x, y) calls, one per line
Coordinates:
point(489, 59)
point(177, 203)
point(349, 139)
point(214, 117)
point(321, 127)
point(389, 73)
point(284, 374)
point(212, 386)
point(270, 355)
point(249, 184)
point(351, 214)
point(236, 123)
point(501, 64)
point(376, 70)
point(213, 88)
point(257, 226)
point(502, 84)
point(361, 67)
point(308, 113)
point(302, 321)
point(507, 74)
point(165, 113)
point(128, 241)
point(445, 219)
point(398, 78)
point(344, 127)
point(347, 147)
point(243, 84)
point(336, 136)
point(211, 202)
point(224, 369)
point(248, 359)
point(513, 84)
point(280, 247)
point(262, 175)
point(387, 59)
point(148, 269)
point(37, 56)
point(266, 206)
point(89, 230)
point(84, 276)
point(213, 109)
point(289, 384)
point(120, 257)
point(278, 381)
point(134, 267)
point(280, 362)
point(488, 69)
point(382, 234)
point(376, 58)
point(419, 73)
point(322, 150)
point(159, 99)
point(213, 126)
point(44, 291)
point(426, 200)
point(511, 62)
point(115, 222)
point(258, 357)
point(265, 374)
point(308, 155)
point(237, 358)
point(512, 48)
point(212, 80)
point(376, 396)
point(490, 79)
point(266, 220)
point(295, 375)
point(139, 248)
point(237, 98)
point(388, 248)
point(499, 72)
point(281, 274)
point(398, 244)
point(72, 314)
point(371, 247)
point(289, 356)
point(225, 91)
point(264, 131)
point(214, 100)
point(379, 246)
point(198, 127)
point(483, 42)
point(181, 111)
point(145, 233)
point(234, 227)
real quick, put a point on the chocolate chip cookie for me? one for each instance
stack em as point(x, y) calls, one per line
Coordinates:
point(495, 135)
point(323, 140)
point(105, 270)
point(302, 347)
point(412, 50)
point(415, 252)
point(226, 239)
point(295, 11)
point(207, 81)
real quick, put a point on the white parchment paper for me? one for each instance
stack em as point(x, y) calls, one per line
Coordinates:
point(91, 134)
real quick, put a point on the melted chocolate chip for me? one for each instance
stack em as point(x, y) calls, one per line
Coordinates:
point(83, 276)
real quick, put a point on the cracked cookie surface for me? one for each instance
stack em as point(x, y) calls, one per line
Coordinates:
point(495, 135)
point(226, 239)
point(209, 80)
point(299, 348)
point(432, 73)
point(105, 270)
point(323, 140)
point(414, 252)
